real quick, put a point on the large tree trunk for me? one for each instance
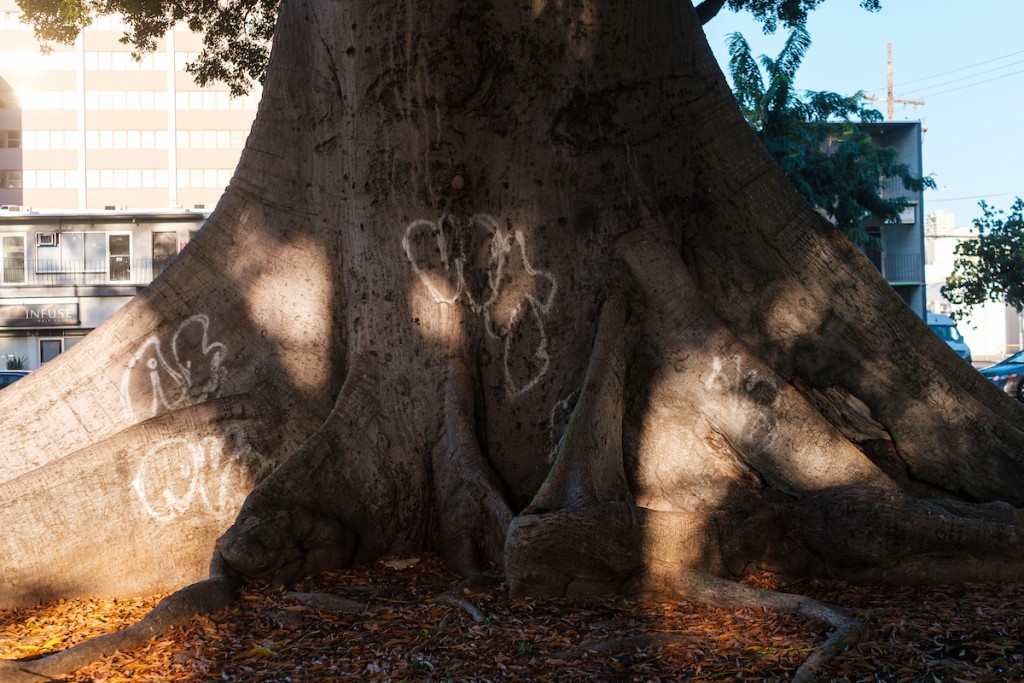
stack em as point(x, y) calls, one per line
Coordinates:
point(518, 283)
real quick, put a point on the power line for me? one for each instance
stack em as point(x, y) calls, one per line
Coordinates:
point(980, 196)
point(975, 75)
point(971, 85)
point(951, 71)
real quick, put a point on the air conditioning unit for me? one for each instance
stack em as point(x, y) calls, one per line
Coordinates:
point(47, 239)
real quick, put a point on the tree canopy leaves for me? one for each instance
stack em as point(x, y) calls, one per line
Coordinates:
point(816, 138)
point(991, 267)
point(789, 13)
point(236, 33)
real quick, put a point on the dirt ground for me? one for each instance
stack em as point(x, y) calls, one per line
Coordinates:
point(400, 623)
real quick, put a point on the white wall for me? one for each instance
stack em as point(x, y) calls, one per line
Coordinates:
point(992, 333)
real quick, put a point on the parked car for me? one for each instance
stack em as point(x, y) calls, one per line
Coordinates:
point(945, 327)
point(1008, 375)
point(11, 376)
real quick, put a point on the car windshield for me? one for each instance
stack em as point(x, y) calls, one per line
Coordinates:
point(1015, 358)
point(947, 332)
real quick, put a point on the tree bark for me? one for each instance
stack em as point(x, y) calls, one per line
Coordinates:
point(517, 283)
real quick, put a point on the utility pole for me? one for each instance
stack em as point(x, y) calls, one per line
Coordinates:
point(890, 99)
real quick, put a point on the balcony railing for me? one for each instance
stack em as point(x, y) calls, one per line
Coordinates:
point(113, 270)
point(903, 268)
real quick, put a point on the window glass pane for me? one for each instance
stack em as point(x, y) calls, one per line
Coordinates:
point(47, 259)
point(120, 245)
point(96, 251)
point(72, 251)
point(13, 259)
point(49, 349)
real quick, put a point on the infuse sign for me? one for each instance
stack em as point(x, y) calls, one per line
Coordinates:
point(38, 315)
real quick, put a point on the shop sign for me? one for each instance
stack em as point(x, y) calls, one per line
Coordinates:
point(38, 315)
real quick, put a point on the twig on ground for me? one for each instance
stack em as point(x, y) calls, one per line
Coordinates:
point(455, 600)
point(438, 631)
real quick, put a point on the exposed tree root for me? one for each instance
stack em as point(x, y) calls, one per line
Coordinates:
point(588, 466)
point(474, 513)
point(453, 598)
point(712, 590)
point(288, 528)
point(204, 597)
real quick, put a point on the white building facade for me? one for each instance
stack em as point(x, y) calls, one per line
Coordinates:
point(994, 330)
point(108, 166)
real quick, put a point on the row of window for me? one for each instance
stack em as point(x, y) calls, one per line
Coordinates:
point(11, 21)
point(121, 139)
point(121, 100)
point(134, 178)
point(69, 252)
point(110, 60)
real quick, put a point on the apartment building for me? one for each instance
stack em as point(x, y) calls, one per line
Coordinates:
point(87, 126)
point(901, 260)
point(107, 166)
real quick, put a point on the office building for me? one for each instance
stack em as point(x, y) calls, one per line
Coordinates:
point(107, 165)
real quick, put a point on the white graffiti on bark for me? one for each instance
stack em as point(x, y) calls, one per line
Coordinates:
point(156, 381)
point(212, 475)
point(485, 265)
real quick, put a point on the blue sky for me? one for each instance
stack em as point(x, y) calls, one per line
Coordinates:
point(942, 52)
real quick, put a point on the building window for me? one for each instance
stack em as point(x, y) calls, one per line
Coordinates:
point(13, 259)
point(10, 139)
point(10, 180)
point(85, 252)
point(50, 349)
